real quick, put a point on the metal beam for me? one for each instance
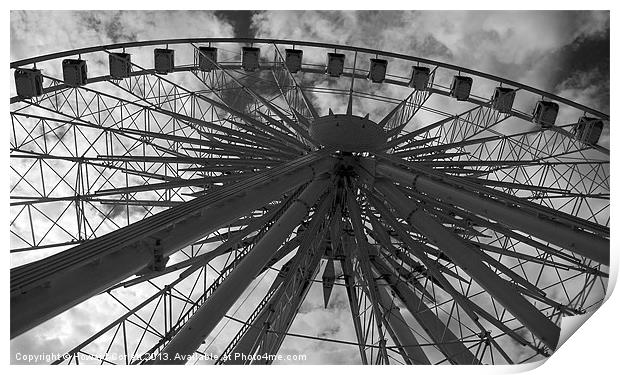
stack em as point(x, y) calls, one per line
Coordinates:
point(364, 271)
point(301, 272)
point(401, 329)
point(189, 338)
point(349, 280)
point(466, 258)
point(582, 243)
point(45, 288)
point(454, 350)
point(469, 307)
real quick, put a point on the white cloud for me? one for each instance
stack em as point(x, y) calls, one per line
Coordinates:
point(39, 32)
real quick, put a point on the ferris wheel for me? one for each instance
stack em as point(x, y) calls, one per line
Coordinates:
point(212, 187)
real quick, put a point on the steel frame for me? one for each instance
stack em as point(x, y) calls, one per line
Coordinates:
point(146, 183)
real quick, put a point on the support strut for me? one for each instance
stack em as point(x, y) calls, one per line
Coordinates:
point(466, 258)
point(195, 331)
point(582, 243)
point(46, 288)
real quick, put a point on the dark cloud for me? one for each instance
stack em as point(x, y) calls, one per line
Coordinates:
point(112, 27)
point(526, 46)
point(431, 46)
point(241, 20)
point(585, 66)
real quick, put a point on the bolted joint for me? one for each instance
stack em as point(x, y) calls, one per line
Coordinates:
point(382, 343)
point(159, 260)
point(486, 335)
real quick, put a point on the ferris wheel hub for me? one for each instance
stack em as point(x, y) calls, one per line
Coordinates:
point(348, 133)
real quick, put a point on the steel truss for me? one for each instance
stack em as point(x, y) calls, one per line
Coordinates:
point(463, 240)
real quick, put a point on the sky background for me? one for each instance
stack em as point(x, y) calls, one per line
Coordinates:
point(566, 53)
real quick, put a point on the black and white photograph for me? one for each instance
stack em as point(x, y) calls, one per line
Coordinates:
point(308, 187)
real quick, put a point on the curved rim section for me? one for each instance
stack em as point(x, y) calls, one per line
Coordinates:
point(51, 56)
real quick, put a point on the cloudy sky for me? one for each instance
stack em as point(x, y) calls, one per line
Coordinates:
point(566, 53)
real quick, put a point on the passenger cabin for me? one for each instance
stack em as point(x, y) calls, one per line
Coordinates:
point(74, 72)
point(588, 130)
point(164, 60)
point(503, 98)
point(207, 57)
point(120, 65)
point(420, 76)
point(293, 59)
point(377, 71)
point(28, 82)
point(461, 87)
point(545, 113)
point(249, 58)
point(335, 64)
